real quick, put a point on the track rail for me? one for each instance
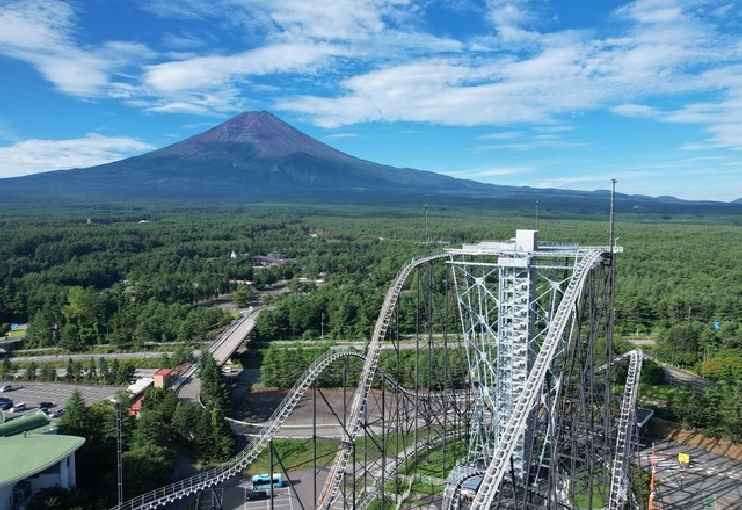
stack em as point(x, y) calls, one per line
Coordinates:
point(337, 471)
point(527, 400)
point(235, 465)
point(371, 492)
point(621, 457)
point(625, 422)
point(186, 487)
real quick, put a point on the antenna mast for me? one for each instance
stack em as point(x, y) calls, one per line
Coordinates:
point(611, 239)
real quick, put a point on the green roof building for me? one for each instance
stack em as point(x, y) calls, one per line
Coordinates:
point(36, 423)
point(29, 463)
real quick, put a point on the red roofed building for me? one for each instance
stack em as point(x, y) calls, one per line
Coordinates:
point(136, 405)
point(164, 377)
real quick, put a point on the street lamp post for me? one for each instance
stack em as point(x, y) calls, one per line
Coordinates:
point(119, 466)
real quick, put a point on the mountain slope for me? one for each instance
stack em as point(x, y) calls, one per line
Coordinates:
point(257, 157)
point(253, 153)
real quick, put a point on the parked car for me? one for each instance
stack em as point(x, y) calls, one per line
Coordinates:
point(20, 406)
point(5, 387)
point(5, 403)
point(57, 412)
point(45, 404)
point(253, 495)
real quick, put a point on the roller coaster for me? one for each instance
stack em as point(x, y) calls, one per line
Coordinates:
point(510, 384)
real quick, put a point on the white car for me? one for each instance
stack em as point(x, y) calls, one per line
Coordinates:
point(56, 412)
point(20, 406)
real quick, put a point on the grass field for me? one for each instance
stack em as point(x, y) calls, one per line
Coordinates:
point(295, 455)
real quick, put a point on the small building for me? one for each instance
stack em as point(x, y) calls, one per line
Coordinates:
point(32, 462)
point(140, 386)
point(272, 259)
point(136, 391)
point(136, 405)
point(164, 377)
point(22, 424)
point(240, 282)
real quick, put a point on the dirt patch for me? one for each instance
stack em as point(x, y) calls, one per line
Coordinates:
point(672, 431)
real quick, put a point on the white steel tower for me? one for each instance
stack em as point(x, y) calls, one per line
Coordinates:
point(507, 292)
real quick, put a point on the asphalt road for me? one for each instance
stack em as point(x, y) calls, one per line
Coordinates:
point(228, 342)
point(709, 482)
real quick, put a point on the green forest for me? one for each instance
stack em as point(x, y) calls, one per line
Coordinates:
point(122, 277)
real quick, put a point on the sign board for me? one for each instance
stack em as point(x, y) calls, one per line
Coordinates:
point(683, 458)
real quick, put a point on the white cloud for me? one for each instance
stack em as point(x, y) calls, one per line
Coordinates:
point(635, 110)
point(656, 49)
point(33, 156)
point(342, 135)
point(40, 32)
point(182, 41)
point(502, 135)
point(212, 71)
point(484, 174)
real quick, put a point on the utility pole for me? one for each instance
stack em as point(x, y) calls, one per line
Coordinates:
point(119, 462)
point(651, 483)
point(426, 229)
point(611, 240)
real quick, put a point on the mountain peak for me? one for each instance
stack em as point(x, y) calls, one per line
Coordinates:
point(268, 135)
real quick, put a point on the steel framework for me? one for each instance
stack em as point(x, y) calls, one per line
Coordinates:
point(527, 327)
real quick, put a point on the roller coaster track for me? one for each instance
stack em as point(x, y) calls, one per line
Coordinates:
point(188, 486)
point(516, 425)
point(625, 421)
point(621, 457)
point(373, 351)
point(496, 469)
point(370, 494)
point(234, 466)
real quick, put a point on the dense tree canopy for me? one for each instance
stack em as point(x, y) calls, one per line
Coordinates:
point(117, 280)
point(148, 443)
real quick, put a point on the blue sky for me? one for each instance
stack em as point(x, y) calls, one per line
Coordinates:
point(544, 93)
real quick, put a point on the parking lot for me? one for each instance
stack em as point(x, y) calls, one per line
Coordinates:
point(34, 392)
point(282, 500)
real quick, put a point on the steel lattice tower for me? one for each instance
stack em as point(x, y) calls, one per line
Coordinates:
point(506, 293)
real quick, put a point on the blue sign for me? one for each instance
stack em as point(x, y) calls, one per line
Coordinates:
point(716, 325)
point(13, 326)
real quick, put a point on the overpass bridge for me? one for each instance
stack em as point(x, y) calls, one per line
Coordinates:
point(188, 386)
point(229, 341)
